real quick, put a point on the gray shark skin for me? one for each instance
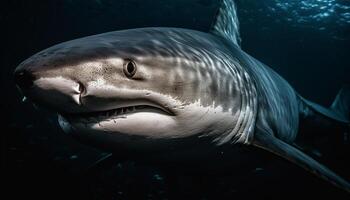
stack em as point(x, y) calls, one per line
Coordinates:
point(165, 90)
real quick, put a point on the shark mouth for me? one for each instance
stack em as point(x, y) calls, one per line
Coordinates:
point(121, 112)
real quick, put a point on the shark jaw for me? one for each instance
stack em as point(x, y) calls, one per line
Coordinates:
point(147, 123)
point(130, 119)
point(114, 114)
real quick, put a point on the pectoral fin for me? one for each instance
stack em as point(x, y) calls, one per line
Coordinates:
point(270, 143)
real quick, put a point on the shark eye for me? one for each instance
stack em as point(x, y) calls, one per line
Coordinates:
point(129, 68)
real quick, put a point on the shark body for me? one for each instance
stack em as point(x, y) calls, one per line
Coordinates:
point(171, 89)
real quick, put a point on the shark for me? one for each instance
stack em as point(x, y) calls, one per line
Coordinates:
point(164, 90)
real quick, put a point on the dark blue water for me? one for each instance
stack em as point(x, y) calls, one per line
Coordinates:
point(307, 42)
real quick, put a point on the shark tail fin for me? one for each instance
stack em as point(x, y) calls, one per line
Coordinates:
point(270, 143)
point(226, 22)
point(341, 104)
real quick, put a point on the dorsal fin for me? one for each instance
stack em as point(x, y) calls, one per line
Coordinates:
point(226, 22)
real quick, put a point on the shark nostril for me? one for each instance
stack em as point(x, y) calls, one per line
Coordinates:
point(81, 88)
point(24, 79)
point(82, 91)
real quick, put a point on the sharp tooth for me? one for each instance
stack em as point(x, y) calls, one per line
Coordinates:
point(24, 99)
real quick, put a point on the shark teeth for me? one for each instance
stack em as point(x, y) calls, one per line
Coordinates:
point(119, 111)
point(114, 113)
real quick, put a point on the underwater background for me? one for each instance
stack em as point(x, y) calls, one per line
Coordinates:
point(306, 41)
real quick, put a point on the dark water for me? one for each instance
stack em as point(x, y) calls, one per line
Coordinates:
point(307, 42)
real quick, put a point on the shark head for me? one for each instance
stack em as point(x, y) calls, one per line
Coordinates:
point(136, 87)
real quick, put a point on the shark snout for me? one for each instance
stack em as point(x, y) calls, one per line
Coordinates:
point(24, 79)
point(57, 92)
